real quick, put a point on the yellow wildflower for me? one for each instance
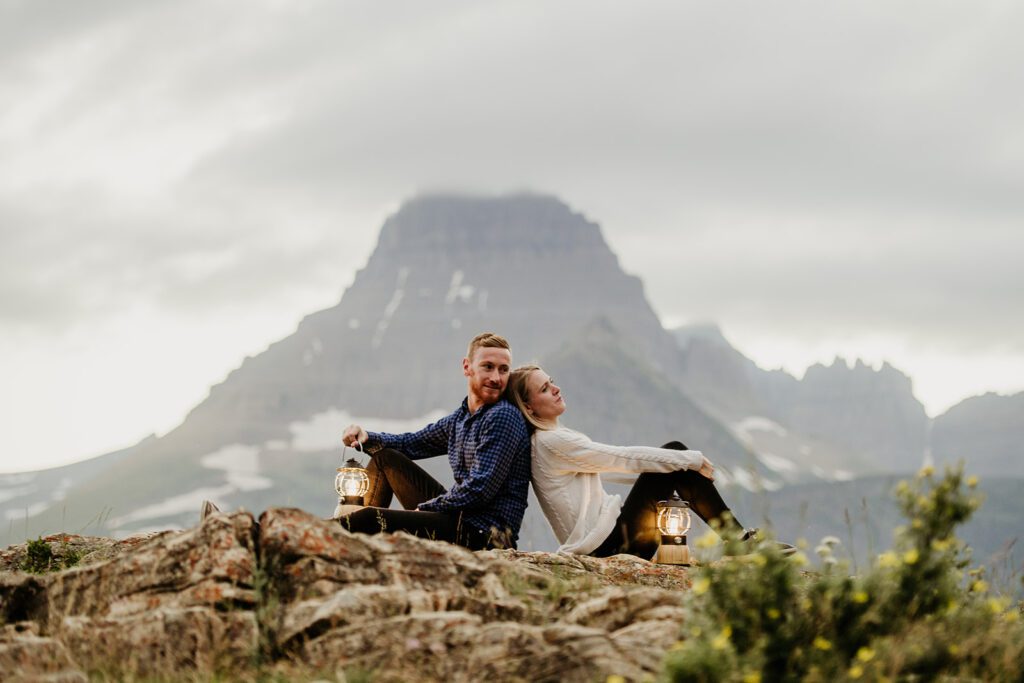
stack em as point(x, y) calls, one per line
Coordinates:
point(979, 586)
point(855, 671)
point(678, 645)
point(1012, 616)
point(722, 639)
point(773, 613)
point(707, 541)
point(799, 559)
point(888, 560)
point(954, 649)
point(860, 597)
point(759, 559)
point(926, 471)
point(865, 654)
point(972, 481)
point(822, 643)
point(615, 678)
point(941, 544)
point(997, 605)
point(701, 586)
point(917, 523)
point(752, 677)
point(902, 487)
point(911, 556)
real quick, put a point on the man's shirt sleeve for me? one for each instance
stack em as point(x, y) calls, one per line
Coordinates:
point(428, 442)
point(503, 438)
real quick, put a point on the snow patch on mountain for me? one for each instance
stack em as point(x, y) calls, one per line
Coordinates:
point(457, 290)
point(17, 492)
point(322, 431)
point(746, 427)
point(176, 505)
point(777, 462)
point(28, 511)
point(752, 482)
point(241, 465)
point(60, 491)
point(16, 479)
point(389, 310)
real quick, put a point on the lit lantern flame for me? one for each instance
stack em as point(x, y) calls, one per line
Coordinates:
point(673, 516)
point(351, 480)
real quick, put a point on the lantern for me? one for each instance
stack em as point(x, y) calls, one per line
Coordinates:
point(673, 524)
point(351, 483)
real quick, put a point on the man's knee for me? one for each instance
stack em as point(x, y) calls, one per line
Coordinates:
point(388, 457)
point(676, 446)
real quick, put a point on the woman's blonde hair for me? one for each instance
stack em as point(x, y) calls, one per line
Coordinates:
point(519, 393)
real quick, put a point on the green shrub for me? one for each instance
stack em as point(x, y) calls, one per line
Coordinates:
point(38, 557)
point(914, 615)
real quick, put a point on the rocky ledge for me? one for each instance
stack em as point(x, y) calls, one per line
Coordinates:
point(301, 596)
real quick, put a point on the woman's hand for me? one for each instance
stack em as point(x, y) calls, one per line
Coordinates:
point(707, 469)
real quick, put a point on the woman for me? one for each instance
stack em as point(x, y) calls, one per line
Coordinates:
point(566, 478)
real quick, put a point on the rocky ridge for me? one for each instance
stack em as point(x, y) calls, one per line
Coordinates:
point(299, 595)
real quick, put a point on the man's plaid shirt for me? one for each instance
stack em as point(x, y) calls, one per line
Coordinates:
point(489, 452)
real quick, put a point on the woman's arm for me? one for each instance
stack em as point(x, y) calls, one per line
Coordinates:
point(575, 452)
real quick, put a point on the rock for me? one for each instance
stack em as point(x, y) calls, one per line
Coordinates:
point(174, 600)
point(26, 656)
point(408, 608)
point(303, 595)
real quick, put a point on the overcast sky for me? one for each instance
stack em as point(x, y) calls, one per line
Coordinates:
point(181, 182)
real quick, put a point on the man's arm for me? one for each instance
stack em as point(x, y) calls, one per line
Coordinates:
point(503, 439)
point(428, 442)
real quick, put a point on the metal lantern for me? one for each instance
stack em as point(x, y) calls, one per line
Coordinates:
point(351, 483)
point(673, 524)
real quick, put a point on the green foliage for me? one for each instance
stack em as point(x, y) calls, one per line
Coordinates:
point(38, 557)
point(915, 615)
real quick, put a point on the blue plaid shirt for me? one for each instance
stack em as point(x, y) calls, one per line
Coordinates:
point(489, 452)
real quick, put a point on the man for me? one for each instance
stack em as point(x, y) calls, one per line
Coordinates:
point(488, 446)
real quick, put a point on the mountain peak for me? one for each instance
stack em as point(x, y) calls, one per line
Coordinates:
point(487, 222)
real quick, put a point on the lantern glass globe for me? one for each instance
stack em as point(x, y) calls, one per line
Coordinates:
point(351, 480)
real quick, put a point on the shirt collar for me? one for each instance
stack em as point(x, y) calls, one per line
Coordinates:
point(483, 409)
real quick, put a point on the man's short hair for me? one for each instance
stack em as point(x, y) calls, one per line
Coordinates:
point(487, 340)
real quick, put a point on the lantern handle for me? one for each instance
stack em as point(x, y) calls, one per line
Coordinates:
point(356, 446)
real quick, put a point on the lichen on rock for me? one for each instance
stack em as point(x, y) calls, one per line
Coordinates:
point(300, 594)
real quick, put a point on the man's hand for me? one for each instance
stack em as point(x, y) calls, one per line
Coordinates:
point(707, 469)
point(353, 434)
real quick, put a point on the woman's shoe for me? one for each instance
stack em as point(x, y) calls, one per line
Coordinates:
point(752, 537)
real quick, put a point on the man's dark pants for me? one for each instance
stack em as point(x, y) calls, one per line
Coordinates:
point(393, 474)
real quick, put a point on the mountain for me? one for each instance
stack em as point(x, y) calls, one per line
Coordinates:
point(863, 514)
point(987, 432)
point(388, 356)
point(615, 395)
point(837, 422)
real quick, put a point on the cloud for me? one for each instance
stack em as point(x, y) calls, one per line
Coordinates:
point(813, 166)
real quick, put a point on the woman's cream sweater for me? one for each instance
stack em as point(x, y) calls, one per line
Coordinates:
point(566, 478)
